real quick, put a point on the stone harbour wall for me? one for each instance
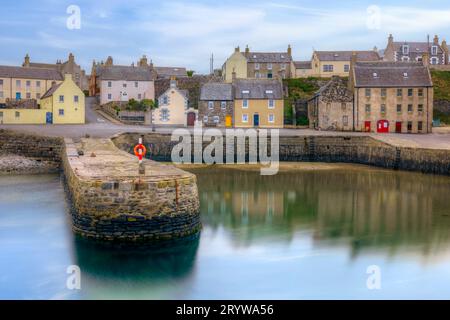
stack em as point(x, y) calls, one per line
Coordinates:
point(114, 207)
point(347, 149)
point(22, 153)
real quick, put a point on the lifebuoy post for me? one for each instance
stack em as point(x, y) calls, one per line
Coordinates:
point(140, 151)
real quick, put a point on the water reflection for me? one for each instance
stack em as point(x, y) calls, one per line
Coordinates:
point(368, 208)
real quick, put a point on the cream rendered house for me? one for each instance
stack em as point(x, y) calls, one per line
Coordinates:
point(172, 107)
point(236, 63)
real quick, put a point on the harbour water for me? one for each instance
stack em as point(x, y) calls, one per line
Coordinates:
point(296, 235)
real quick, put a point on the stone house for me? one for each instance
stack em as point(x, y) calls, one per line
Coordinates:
point(258, 65)
point(20, 83)
point(303, 69)
point(407, 51)
point(325, 64)
point(331, 108)
point(216, 104)
point(258, 103)
point(121, 83)
point(169, 72)
point(67, 67)
point(392, 96)
point(173, 108)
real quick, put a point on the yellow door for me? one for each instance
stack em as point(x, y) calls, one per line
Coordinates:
point(228, 121)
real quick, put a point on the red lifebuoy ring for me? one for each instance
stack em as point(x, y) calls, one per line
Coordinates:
point(140, 147)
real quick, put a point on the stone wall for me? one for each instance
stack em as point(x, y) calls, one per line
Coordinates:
point(347, 149)
point(28, 154)
point(115, 207)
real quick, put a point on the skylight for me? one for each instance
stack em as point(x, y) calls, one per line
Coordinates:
point(405, 75)
point(269, 91)
point(245, 91)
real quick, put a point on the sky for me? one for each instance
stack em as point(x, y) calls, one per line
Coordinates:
point(187, 33)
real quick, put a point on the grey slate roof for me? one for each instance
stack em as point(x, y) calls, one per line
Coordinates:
point(216, 91)
point(369, 55)
point(418, 47)
point(30, 73)
point(391, 74)
point(167, 72)
point(303, 64)
point(265, 57)
point(51, 91)
point(126, 73)
point(257, 89)
point(336, 90)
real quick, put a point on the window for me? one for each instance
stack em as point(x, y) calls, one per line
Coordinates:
point(245, 91)
point(271, 117)
point(420, 126)
point(368, 108)
point(109, 84)
point(124, 85)
point(257, 75)
point(61, 112)
point(205, 119)
point(328, 68)
point(28, 95)
point(245, 103)
point(165, 100)
point(405, 49)
point(139, 96)
point(216, 119)
point(434, 50)
point(136, 84)
point(164, 115)
point(345, 120)
point(269, 75)
point(223, 105)
point(269, 91)
point(368, 93)
point(1, 82)
point(18, 83)
point(410, 92)
point(410, 108)
point(420, 92)
point(210, 105)
point(405, 75)
point(61, 98)
point(75, 99)
point(283, 66)
point(343, 106)
point(405, 59)
point(399, 108)
point(38, 84)
point(1, 94)
point(271, 104)
point(109, 96)
point(383, 108)
point(17, 114)
point(256, 66)
point(434, 60)
point(28, 83)
point(383, 92)
point(409, 126)
point(346, 68)
point(399, 92)
point(269, 66)
point(420, 108)
point(245, 117)
point(38, 95)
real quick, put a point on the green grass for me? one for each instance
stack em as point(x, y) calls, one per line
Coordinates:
point(441, 81)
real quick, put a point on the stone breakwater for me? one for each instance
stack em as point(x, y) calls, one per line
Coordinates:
point(113, 202)
point(327, 148)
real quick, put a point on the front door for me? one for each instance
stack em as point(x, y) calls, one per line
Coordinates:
point(382, 126)
point(398, 127)
point(367, 126)
point(256, 120)
point(49, 117)
point(18, 96)
point(191, 119)
point(228, 122)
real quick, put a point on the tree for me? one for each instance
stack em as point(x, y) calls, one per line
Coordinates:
point(147, 104)
point(190, 73)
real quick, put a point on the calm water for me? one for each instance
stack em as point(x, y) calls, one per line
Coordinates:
point(300, 235)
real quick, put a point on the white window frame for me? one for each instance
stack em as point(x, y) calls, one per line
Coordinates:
point(165, 115)
point(61, 99)
point(269, 66)
point(283, 66)
point(245, 104)
point(434, 50)
point(245, 118)
point(205, 119)
point(271, 103)
point(257, 66)
point(109, 96)
point(216, 119)
point(210, 105)
point(223, 105)
point(271, 115)
point(405, 49)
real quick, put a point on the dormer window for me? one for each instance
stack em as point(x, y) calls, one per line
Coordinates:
point(375, 75)
point(405, 75)
point(269, 91)
point(434, 50)
point(405, 49)
point(254, 56)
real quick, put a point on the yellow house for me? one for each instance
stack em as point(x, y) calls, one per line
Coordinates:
point(258, 103)
point(236, 63)
point(64, 103)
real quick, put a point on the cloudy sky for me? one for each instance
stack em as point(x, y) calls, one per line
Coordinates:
point(186, 33)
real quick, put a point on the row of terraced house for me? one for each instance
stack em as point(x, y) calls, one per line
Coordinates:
point(388, 90)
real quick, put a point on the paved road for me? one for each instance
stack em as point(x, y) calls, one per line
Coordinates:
point(91, 115)
point(99, 127)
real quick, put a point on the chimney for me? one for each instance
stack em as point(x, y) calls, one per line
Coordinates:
point(426, 59)
point(71, 58)
point(26, 62)
point(390, 39)
point(354, 58)
point(247, 51)
point(237, 49)
point(436, 40)
point(289, 50)
point(109, 61)
point(173, 82)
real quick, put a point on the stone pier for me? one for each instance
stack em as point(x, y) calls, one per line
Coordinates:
point(112, 201)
